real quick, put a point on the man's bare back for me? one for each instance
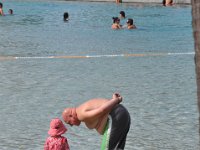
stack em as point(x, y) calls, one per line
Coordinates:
point(94, 113)
point(93, 122)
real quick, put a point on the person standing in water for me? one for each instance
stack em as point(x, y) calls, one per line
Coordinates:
point(122, 15)
point(116, 23)
point(107, 116)
point(56, 141)
point(130, 24)
point(1, 10)
point(167, 2)
point(10, 11)
point(65, 16)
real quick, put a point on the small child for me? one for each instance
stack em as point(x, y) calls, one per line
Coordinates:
point(55, 141)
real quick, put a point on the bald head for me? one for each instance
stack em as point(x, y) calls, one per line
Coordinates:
point(66, 114)
point(70, 117)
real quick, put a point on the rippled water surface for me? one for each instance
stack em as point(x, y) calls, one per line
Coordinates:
point(152, 67)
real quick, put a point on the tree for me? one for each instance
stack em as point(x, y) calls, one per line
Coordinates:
point(196, 34)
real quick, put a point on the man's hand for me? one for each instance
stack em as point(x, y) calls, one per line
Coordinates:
point(117, 96)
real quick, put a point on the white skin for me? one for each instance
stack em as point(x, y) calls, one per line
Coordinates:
point(94, 112)
point(169, 2)
point(1, 12)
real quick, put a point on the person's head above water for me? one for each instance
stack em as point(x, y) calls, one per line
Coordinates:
point(1, 5)
point(10, 11)
point(130, 21)
point(65, 16)
point(116, 20)
point(122, 14)
point(70, 117)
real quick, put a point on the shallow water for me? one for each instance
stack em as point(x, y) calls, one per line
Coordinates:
point(158, 85)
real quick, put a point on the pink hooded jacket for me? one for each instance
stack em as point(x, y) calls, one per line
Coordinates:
point(56, 143)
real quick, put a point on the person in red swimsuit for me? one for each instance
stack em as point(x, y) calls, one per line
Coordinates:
point(56, 141)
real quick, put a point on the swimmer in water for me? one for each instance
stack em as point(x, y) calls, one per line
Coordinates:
point(1, 10)
point(122, 15)
point(116, 23)
point(66, 16)
point(130, 24)
point(10, 11)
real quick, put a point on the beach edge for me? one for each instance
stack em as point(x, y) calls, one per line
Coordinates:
point(188, 2)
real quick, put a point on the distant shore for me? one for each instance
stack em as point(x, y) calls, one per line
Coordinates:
point(139, 1)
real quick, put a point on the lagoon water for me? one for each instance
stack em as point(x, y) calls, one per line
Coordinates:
point(156, 79)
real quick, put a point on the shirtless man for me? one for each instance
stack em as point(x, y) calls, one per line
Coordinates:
point(108, 117)
point(130, 24)
point(1, 10)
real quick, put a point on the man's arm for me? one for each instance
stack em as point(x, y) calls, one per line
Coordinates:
point(105, 108)
point(1, 12)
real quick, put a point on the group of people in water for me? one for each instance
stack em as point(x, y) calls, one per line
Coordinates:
point(116, 22)
point(107, 116)
point(10, 11)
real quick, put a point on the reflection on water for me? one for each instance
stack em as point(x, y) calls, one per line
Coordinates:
point(159, 90)
point(31, 20)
